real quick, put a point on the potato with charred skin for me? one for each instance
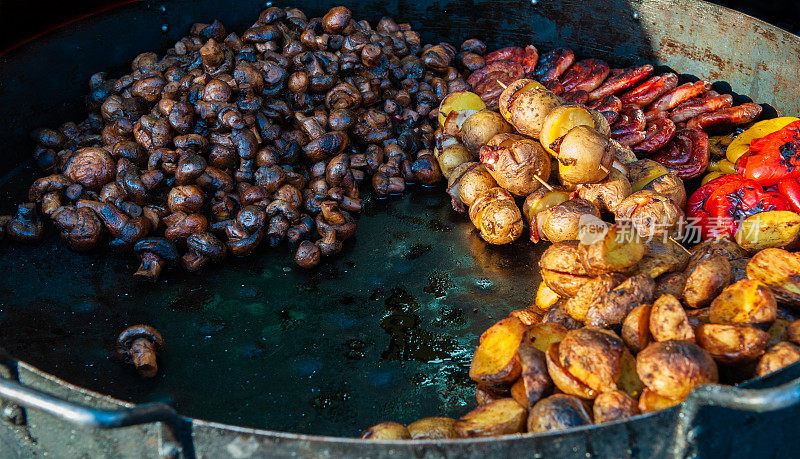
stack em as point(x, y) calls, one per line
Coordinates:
point(746, 302)
point(558, 412)
point(780, 271)
point(565, 256)
point(650, 401)
point(651, 214)
point(529, 109)
point(542, 335)
point(620, 250)
point(563, 222)
point(500, 417)
point(562, 119)
point(668, 320)
point(590, 294)
point(613, 406)
point(563, 284)
point(584, 156)
point(778, 356)
point(433, 428)
point(484, 395)
point(497, 217)
point(732, 343)
point(673, 368)
point(534, 379)
point(593, 357)
point(642, 172)
point(622, 154)
point(608, 193)
point(671, 284)
point(527, 316)
point(474, 182)
point(514, 90)
point(563, 379)
point(495, 362)
point(515, 164)
point(671, 186)
point(619, 302)
point(541, 200)
point(706, 280)
point(776, 228)
point(636, 328)
point(481, 127)
point(663, 257)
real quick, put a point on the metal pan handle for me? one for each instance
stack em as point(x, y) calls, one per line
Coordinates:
point(14, 392)
point(752, 400)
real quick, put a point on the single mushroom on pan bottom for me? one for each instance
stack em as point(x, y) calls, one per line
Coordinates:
point(140, 345)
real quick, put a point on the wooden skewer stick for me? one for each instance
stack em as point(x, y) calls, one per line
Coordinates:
point(544, 184)
point(604, 169)
point(501, 84)
point(680, 245)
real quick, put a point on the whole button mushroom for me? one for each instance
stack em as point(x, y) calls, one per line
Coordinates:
point(140, 345)
point(25, 226)
point(156, 253)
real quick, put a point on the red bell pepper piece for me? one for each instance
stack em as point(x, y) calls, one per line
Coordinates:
point(790, 189)
point(773, 158)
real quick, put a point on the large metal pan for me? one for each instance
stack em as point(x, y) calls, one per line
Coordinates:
point(42, 81)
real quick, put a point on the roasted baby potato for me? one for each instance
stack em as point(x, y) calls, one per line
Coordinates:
point(724, 246)
point(563, 379)
point(776, 228)
point(670, 284)
point(516, 163)
point(668, 320)
point(780, 271)
point(500, 417)
point(613, 406)
point(697, 317)
point(636, 328)
point(529, 109)
point(651, 214)
point(778, 331)
point(545, 297)
point(497, 217)
point(542, 335)
point(671, 186)
point(451, 156)
point(564, 284)
point(495, 362)
point(592, 357)
point(558, 412)
point(562, 119)
point(746, 302)
point(793, 332)
point(386, 431)
point(480, 127)
point(590, 294)
point(564, 256)
point(608, 193)
point(534, 380)
point(662, 257)
point(433, 428)
point(584, 156)
point(644, 171)
point(618, 251)
point(732, 343)
point(515, 89)
point(557, 314)
point(629, 381)
point(619, 302)
point(650, 401)
point(778, 356)
point(563, 222)
point(706, 280)
point(673, 368)
point(474, 182)
point(540, 200)
point(461, 100)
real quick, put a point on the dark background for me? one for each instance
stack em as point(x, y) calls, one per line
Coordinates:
point(20, 19)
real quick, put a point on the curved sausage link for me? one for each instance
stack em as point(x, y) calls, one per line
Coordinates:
point(586, 75)
point(620, 80)
point(644, 94)
point(653, 115)
point(608, 103)
point(656, 136)
point(697, 107)
point(726, 118)
point(491, 84)
point(553, 64)
point(576, 97)
point(555, 86)
point(530, 57)
point(630, 139)
point(681, 94)
point(511, 53)
point(631, 119)
point(686, 155)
